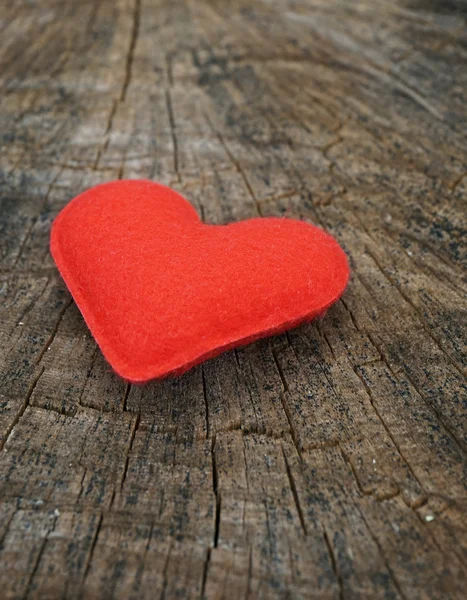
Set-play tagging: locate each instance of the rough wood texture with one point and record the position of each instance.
(327, 463)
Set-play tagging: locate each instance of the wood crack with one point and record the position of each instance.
(130, 447)
(332, 557)
(39, 557)
(23, 408)
(217, 495)
(91, 553)
(380, 550)
(386, 428)
(173, 133)
(416, 310)
(131, 49)
(294, 491)
(51, 338)
(236, 164)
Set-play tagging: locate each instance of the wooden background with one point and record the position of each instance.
(326, 463)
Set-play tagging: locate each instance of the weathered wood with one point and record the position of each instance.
(325, 463)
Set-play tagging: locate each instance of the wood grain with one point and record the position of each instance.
(325, 463)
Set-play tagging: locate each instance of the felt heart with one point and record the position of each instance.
(161, 291)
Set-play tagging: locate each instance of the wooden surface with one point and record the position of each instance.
(326, 463)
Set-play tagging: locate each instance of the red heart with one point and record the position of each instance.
(161, 291)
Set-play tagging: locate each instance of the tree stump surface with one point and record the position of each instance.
(325, 463)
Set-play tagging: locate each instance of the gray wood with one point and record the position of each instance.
(325, 463)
